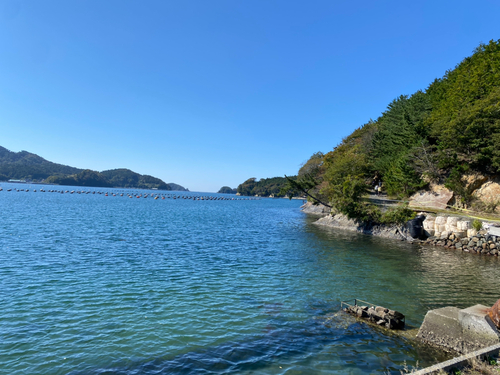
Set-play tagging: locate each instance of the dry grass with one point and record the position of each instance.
(478, 367)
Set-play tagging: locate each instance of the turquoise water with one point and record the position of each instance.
(111, 285)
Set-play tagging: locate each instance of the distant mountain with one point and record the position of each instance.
(27, 166)
(177, 187)
(127, 178)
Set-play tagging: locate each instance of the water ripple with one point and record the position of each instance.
(101, 285)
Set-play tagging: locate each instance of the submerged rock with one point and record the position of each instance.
(379, 315)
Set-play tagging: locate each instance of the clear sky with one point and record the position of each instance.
(206, 93)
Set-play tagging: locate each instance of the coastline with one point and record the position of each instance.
(445, 231)
(339, 221)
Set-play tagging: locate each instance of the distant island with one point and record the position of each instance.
(30, 167)
(266, 187)
(226, 190)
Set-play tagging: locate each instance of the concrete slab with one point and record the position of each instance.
(494, 231)
(477, 328)
(463, 331)
(441, 327)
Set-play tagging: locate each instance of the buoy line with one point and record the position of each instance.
(128, 194)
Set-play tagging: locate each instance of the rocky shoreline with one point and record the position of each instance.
(481, 243)
(386, 231)
(450, 232)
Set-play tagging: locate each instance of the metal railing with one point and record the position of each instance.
(346, 303)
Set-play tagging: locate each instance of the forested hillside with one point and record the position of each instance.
(129, 179)
(264, 187)
(440, 135)
(27, 166)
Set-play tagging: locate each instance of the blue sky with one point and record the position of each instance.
(211, 92)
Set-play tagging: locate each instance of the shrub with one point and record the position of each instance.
(398, 215)
(477, 225)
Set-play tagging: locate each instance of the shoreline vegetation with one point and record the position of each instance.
(33, 168)
(437, 150)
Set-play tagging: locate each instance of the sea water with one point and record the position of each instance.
(95, 284)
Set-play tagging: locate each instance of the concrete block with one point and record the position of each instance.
(494, 231)
(451, 228)
(460, 330)
(440, 220)
(428, 224)
(441, 327)
(464, 225)
(477, 327)
(440, 228)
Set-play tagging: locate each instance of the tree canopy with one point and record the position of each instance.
(438, 134)
(264, 187)
(227, 190)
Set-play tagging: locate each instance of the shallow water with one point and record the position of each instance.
(111, 285)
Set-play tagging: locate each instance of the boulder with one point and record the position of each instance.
(489, 193)
(415, 227)
(429, 232)
(444, 235)
(319, 209)
(471, 232)
(437, 199)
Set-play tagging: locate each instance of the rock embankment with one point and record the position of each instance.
(480, 243)
(450, 232)
(457, 233)
(318, 209)
(386, 231)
